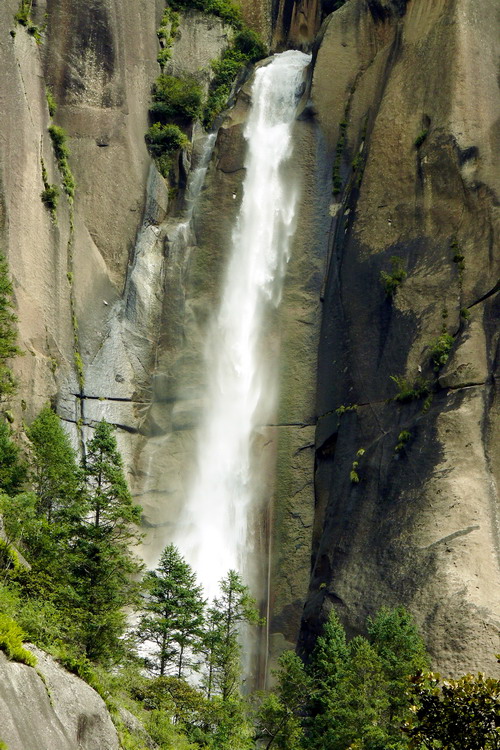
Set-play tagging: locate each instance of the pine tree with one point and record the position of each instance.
(395, 638)
(279, 717)
(56, 477)
(13, 470)
(173, 616)
(233, 607)
(106, 567)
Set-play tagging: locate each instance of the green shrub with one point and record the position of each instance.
(23, 14)
(391, 281)
(58, 137)
(249, 45)
(11, 641)
(345, 408)
(408, 391)
(224, 9)
(8, 556)
(339, 152)
(403, 438)
(61, 151)
(246, 48)
(163, 142)
(51, 102)
(465, 313)
(440, 350)
(176, 98)
(34, 31)
(50, 197)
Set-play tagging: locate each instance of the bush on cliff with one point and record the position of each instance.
(176, 98)
(11, 641)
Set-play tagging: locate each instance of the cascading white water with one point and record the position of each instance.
(241, 391)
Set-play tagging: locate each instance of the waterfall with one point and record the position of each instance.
(241, 388)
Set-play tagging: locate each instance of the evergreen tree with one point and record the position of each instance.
(13, 470)
(56, 477)
(395, 638)
(173, 615)
(279, 717)
(233, 607)
(358, 699)
(106, 567)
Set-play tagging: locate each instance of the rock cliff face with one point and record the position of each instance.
(419, 97)
(402, 109)
(47, 708)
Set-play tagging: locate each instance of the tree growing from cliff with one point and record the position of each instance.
(173, 615)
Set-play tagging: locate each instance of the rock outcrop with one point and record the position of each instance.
(47, 708)
(418, 97)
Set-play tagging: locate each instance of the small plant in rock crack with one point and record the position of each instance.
(353, 475)
(440, 350)
(408, 391)
(391, 281)
(421, 137)
(403, 438)
(345, 408)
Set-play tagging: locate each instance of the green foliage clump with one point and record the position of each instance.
(13, 469)
(344, 408)
(228, 11)
(464, 313)
(163, 142)
(408, 391)
(350, 694)
(58, 137)
(50, 197)
(11, 641)
(454, 714)
(391, 281)
(51, 102)
(166, 35)
(421, 137)
(23, 18)
(246, 48)
(339, 152)
(458, 256)
(353, 474)
(77, 357)
(9, 559)
(176, 98)
(440, 350)
(403, 438)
